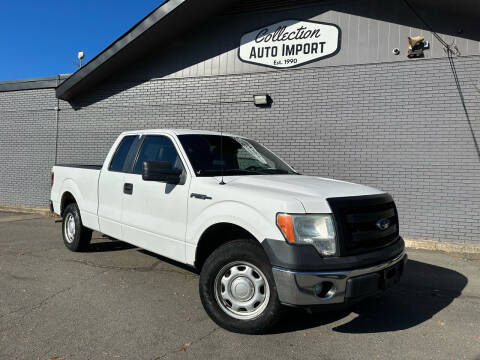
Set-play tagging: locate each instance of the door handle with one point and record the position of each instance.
(200, 196)
(128, 188)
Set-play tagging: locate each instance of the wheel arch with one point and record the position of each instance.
(216, 235)
(67, 199)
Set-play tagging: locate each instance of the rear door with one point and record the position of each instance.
(111, 186)
(155, 213)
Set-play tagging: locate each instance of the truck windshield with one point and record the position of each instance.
(240, 156)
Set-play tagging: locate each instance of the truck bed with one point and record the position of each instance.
(81, 181)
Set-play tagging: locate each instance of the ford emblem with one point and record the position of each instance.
(383, 224)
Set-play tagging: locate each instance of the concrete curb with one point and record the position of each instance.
(23, 209)
(442, 246)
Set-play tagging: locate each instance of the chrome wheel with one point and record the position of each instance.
(69, 228)
(241, 290)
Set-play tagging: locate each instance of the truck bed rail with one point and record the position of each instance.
(92, 167)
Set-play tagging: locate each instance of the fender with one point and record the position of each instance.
(69, 185)
(248, 218)
(87, 211)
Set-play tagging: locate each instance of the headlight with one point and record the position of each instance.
(317, 230)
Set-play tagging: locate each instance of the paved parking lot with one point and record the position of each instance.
(119, 302)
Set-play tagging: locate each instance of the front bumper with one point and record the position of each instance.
(334, 287)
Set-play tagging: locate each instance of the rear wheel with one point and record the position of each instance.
(76, 237)
(237, 288)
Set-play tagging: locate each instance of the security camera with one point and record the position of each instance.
(396, 51)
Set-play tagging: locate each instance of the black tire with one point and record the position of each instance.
(80, 238)
(239, 251)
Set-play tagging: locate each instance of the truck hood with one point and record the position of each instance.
(311, 191)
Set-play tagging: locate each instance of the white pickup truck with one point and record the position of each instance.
(261, 235)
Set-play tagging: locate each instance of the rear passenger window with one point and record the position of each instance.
(120, 156)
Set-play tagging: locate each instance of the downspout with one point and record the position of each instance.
(57, 116)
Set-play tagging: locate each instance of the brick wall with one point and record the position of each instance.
(396, 126)
(27, 146)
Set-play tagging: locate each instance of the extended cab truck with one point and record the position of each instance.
(261, 235)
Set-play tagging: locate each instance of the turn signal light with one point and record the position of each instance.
(285, 224)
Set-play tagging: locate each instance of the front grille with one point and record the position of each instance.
(356, 222)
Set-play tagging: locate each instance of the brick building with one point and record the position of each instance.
(353, 107)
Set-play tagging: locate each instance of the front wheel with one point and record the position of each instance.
(237, 288)
(76, 237)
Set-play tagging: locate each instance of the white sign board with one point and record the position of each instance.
(290, 43)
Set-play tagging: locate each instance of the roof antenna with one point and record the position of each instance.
(221, 139)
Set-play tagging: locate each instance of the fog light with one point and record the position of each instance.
(325, 290)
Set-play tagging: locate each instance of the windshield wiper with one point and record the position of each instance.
(257, 171)
(227, 172)
(265, 170)
(277, 171)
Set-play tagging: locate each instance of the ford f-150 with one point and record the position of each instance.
(261, 235)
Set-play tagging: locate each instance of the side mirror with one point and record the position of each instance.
(160, 171)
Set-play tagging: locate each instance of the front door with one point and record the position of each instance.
(154, 213)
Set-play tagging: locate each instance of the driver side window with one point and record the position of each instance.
(158, 148)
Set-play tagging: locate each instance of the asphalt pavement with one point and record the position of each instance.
(119, 302)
